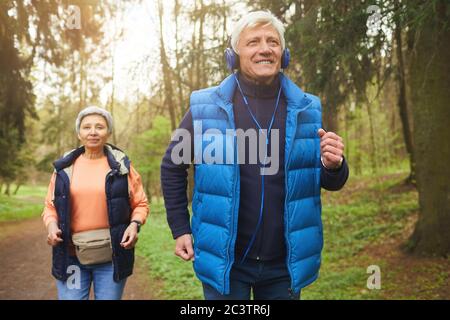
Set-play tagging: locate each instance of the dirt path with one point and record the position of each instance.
(25, 265)
(409, 276)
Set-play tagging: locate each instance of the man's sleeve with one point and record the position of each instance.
(174, 184)
(334, 179)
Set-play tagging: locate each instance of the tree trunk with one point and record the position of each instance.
(113, 89)
(178, 57)
(346, 135)
(201, 53)
(374, 153)
(168, 91)
(82, 85)
(147, 187)
(7, 189)
(357, 162)
(17, 189)
(402, 102)
(200, 69)
(329, 116)
(430, 83)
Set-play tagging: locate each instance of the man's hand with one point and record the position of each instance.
(183, 247)
(331, 149)
(54, 234)
(130, 236)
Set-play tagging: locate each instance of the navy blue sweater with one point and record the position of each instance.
(269, 242)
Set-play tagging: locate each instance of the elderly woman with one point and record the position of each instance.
(94, 208)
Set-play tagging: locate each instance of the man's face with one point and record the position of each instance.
(260, 51)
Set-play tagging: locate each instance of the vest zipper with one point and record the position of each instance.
(286, 219)
(68, 227)
(227, 271)
(233, 214)
(108, 205)
(286, 175)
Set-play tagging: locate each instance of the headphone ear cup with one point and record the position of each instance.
(285, 59)
(230, 59)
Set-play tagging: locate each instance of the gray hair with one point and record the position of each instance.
(94, 110)
(255, 18)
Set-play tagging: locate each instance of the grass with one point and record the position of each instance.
(27, 203)
(366, 212)
(156, 246)
(359, 223)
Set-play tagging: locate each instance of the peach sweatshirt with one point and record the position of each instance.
(88, 197)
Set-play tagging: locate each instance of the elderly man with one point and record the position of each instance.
(253, 230)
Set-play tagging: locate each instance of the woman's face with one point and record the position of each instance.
(93, 131)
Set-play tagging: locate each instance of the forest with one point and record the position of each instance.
(381, 69)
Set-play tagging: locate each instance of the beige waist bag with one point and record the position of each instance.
(93, 246)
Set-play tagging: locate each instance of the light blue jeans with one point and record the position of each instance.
(78, 285)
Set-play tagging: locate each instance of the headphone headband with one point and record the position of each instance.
(232, 59)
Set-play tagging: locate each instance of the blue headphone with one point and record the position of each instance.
(232, 59)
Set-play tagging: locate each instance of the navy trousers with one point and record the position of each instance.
(267, 280)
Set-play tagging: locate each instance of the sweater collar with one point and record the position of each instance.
(223, 94)
(260, 91)
(117, 159)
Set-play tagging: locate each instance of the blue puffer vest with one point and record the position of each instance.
(215, 202)
(119, 210)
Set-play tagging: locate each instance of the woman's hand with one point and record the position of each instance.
(130, 236)
(54, 234)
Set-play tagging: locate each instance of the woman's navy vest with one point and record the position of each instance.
(119, 211)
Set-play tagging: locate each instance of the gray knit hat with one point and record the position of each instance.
(94, 110)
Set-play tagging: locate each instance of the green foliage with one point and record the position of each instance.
(372, 213)
(27, 203)
(147, 150)
(156, 245)
(17, 51)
